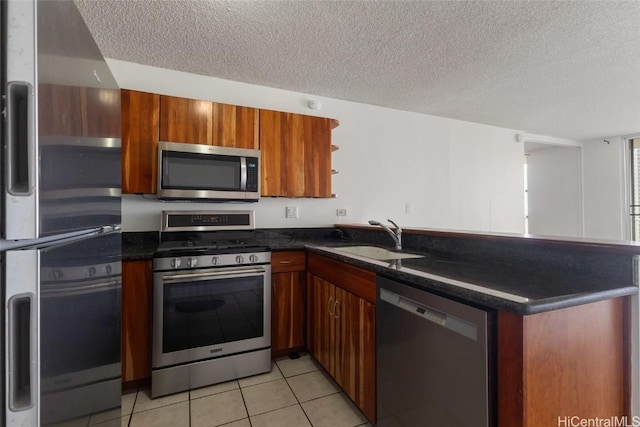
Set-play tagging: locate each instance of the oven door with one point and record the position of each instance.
(208, 313)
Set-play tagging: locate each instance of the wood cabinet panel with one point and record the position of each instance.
(341, 336)
(316, 133)
(356, 280)
(288, 302)
(235, 126)
(568, 362)
(78, 111)
(186, 120)
(137, 308)
(288, 261)
(356, 319)
(322, 332)
(296, 155)
(65, 101)
(282, 151)
(140, 112)
(287, 311)
(101, 112)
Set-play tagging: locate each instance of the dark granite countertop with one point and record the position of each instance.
(492, 285)
(530, 280)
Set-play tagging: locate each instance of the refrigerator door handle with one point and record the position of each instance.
(20, 373)
(21, 142)
(21, 323)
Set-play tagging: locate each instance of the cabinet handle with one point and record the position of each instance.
(335, 310)
(329, 305)
(286, 262)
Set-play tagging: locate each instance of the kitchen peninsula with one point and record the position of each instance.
(561, 308)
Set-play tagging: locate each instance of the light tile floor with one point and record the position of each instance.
(296, 393)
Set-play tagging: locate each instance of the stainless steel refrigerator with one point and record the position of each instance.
(60, 225)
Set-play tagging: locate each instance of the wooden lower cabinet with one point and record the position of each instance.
(341, 333)
(137, 309)
(565, 363)
(288, 302)
(287, 312)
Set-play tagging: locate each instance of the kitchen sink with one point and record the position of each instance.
(375, 252)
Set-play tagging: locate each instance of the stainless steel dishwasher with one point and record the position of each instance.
(433, 357)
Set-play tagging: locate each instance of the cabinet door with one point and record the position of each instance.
(282, 154)
(65, 102)
(235, 126)
(316, 134)
(186, 120)
(296, 155)
(101, 112)
(287, 311)
(137, 285)
(139, 141)
(356, 375)
(322, 330)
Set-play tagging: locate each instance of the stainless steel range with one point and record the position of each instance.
(211, 301)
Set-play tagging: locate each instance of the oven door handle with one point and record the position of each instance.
(214, 274)
(77, 290)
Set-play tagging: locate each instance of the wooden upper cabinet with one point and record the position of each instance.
(139, 141)
(295, 149)
(65, 102)
(78, 111)
(296, 154)
(210, 123)
(235, 126)
(186, 120)
(101, 112)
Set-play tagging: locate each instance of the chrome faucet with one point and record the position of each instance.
(397, 235)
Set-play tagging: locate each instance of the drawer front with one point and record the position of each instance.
(288, 261)
(353, 279)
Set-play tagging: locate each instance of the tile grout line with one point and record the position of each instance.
(189, 399)
(244, 402)
(298, 400)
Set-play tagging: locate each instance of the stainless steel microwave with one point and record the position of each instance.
(206, 172)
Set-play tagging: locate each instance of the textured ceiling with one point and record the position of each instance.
(564, 69)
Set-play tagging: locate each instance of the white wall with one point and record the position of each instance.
(604, 189)
(453, 174)
(554, 191)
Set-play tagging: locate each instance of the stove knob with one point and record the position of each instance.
(175, 263)
(108, 269)
(191, 262)
(239, 259)
(91, 271)
(253, 258)
(215, 260)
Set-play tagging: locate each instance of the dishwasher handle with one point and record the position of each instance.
(433, 315)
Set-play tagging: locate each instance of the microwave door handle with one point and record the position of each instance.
(243, 173)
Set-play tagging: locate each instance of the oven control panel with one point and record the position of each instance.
(204, 261)
(207, 220)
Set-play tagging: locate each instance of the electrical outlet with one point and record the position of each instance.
(291, 212)
(408, 207)
(341, 212)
